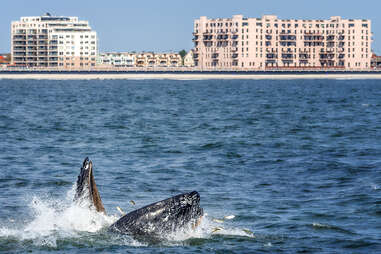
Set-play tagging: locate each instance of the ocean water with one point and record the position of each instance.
(282, 166)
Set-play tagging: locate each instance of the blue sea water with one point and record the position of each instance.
(295, 164)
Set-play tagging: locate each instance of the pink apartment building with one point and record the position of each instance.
(271, 43)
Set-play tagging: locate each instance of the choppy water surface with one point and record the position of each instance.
(297, 162)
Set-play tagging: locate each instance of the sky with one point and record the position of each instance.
(167, 25)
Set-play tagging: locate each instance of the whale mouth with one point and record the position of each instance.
(86, 187)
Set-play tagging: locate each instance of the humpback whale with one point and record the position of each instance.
(153, 221)
(87, 190)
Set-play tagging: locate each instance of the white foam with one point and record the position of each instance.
(206, 230)
(54, 219)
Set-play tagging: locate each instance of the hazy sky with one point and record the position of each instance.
(165, 25)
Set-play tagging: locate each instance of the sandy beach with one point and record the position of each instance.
(179, 76)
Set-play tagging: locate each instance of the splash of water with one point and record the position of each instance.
(59, 219)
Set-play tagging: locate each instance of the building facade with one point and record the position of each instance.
(123, 59)
(376, 61)
(150, 59)
(52, 41)
(272, 43)
(5, 59)
(188, 59)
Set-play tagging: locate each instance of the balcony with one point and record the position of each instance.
(271, 56)
(287, 37)
(19, 48)
(20, 54)
(19, 43)
(20, 59)
(53, 53)
(287, 56)
(208, 37)
(287, 62)
(19, 37)
(313, 44)
(287, 43)
(304, 56)
(313, 38)
(326, 56)
(20, 31)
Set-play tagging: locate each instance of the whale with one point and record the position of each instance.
(86, 188)
(154, 221)
(179, 213)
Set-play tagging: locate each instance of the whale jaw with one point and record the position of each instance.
(159, 219)
(87, 190)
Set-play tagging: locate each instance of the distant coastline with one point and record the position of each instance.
(186, 74)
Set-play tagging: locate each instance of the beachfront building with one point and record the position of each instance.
(188, 59)
(273, 43)
(4, 60)
(53, 41)
(112, 59)
(375, 61)
(151, 59)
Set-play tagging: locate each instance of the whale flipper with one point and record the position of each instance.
(87, 190)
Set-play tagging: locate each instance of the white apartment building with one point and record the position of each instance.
(53, 41)
(273, 43)
(188, 59)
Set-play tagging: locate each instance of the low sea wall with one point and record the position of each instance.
(186, 74)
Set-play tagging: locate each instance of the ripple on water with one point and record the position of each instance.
(296, 161)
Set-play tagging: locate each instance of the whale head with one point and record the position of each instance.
(160, 219)
(87, 191)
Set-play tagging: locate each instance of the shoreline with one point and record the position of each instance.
(185, 76)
